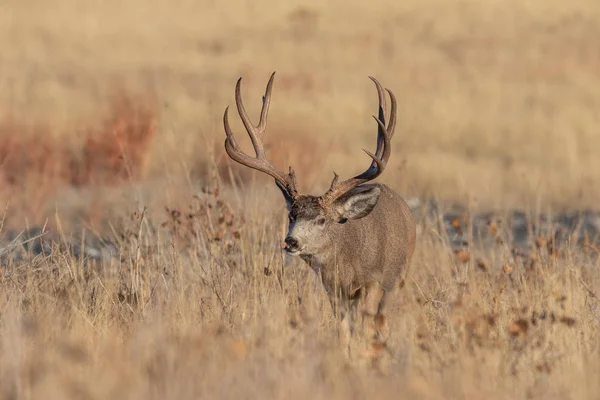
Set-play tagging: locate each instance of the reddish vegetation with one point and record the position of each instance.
(115, 150)
(35, 163)
(119, 149)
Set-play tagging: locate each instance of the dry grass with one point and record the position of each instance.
(36, 164)
(498, 107)
(497, 100)
(201, 305)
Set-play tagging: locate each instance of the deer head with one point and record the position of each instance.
(316, 221)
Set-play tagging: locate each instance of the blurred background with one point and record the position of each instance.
(137, 261)
(497, 100)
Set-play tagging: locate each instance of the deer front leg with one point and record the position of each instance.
(381, 321)
(345, 333)
(344, 311)
(375, 327)
(371, 317)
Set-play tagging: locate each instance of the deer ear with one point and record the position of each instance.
(357, 205)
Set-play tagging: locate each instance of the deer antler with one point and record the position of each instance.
(286, 182)
(382, 153)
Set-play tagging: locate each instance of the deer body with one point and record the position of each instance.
(358, 236)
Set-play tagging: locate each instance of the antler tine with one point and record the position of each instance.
(287, 182)
(255, 132)
(382, 112)
(392, 124)
(266, 99)
(382, 153)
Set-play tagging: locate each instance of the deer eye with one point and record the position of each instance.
(320, 220)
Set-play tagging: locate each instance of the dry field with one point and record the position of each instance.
(110, 126)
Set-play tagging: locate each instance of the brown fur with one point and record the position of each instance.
(377, 247)
(305, 207)
(360, 260)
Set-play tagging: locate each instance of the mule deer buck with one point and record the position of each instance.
(358, 236)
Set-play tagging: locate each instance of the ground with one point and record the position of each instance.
(111, 136)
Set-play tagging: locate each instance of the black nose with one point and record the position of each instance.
(291, 242)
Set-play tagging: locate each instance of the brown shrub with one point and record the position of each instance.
(210, 218)
(35, 162)
(115, 150)
(29, 153)
(119, 149)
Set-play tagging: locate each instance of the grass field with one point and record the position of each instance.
(111, 111)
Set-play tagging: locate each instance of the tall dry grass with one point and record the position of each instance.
(497, 108)
(203, 304)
